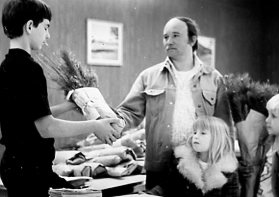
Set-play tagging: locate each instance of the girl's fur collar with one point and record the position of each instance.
(209, 179)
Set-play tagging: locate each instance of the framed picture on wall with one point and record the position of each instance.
(206, 50)
(104, 43)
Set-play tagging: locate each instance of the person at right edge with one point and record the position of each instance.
(249, 113)
(272, 125)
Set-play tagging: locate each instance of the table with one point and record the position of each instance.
(137, 195)
(117, 186)
(108, 186)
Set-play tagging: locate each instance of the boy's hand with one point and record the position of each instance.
(105, 132)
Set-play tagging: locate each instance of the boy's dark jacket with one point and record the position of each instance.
(187, 179)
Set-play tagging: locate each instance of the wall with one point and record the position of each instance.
(237, 30)
(271, 41)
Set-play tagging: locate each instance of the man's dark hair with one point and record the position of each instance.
(16, 13)
(193, 29)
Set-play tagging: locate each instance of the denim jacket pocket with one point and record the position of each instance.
(209, 96)
(154, 101)
(154, 92)
(209, 100)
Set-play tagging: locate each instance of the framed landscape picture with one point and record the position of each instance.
(104, 43)
(206, 50)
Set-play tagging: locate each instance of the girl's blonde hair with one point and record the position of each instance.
(273, 104)
(221, 141)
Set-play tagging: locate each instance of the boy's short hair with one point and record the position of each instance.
(273, 104)
(16, 13)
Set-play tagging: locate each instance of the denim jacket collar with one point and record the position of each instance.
(202, 68)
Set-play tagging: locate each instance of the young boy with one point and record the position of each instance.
(27, 123)
(272, 125)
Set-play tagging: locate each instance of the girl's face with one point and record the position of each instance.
(201, 140)
(272, 123)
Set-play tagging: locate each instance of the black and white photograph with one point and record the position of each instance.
(139, 98)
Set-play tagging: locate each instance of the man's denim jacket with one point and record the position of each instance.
(153, 95)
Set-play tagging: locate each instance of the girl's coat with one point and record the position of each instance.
(220, 179)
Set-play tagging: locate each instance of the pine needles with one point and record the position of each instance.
(244, 85)
(64, 69)
(245, 94)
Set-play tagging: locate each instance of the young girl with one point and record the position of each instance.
(206, 165)
(272, 125)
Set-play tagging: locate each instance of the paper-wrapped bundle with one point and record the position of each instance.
(95, 170)
(101, 156)
(61, 156)
(108, 160)
(93, 105)
(73, 192)
(134, 139)
(254, 143)
(90, 140)
(124, 169)
(78, 81)
(124, 153)
(88, 169)
(248, 106)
